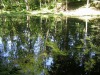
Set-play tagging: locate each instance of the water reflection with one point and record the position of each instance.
(33, 45)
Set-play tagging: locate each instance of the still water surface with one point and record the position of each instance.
(37, 45)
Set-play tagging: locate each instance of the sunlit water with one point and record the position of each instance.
(31, 45)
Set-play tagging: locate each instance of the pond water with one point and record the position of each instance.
(37, 45)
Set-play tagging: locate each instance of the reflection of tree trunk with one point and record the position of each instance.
(55, 27)
(28, 33)
(46, 20)
(47, 34)
(86, 28)
(66, 20)
(85, 36)
(28, 19)
(61, 25)
(41, 23)
(3, 20)
(47, 31)
(55, 31)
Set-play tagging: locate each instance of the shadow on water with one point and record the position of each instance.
(34, 45)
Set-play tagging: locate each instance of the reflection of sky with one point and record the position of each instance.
(49, 61)
(9, 46)
(37, 46)
(52, 39)
(8, 49)
(0, 40)
(1, 45)
(15, 38)
(92, 54)
(71, 41)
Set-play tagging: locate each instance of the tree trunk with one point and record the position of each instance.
(40, 4)
(45, 3)
(87, 3)
(66, 5)
(2, 3)
(27, 5)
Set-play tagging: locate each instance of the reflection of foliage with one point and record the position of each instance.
(55, 50)
(89, 64)
(8, 70)
(62, 38)
(26, 62)
(83, 53)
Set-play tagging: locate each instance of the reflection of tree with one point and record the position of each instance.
(81, 53)
(31, 41)
(19, 36)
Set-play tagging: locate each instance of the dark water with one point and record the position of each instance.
(36, 45)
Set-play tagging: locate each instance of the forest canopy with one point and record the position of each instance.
(21, 5)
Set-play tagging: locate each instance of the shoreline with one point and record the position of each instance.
(77, 12)
(71, 13)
